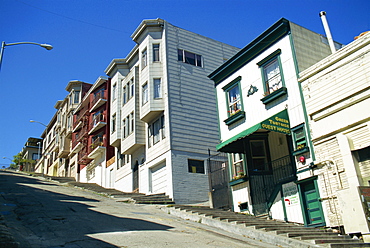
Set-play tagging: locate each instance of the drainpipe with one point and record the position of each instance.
(327, 31)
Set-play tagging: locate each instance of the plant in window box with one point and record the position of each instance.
(234, 112)
(302, 148)
(239, 175)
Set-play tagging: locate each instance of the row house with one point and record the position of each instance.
(336, 92)
(31, 153)
(163, 112)
(48, 162)
(58, 133)
(263, 126)
(90, 151)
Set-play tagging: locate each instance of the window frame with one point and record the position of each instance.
(156, 52)
(184, 56)
(240, 113)
(145, 93)
(194, 168)
(273, 57)
(240, 173)
(114, 122)
(157, 93)
(144, 58)
(114, 91)
(297, 142)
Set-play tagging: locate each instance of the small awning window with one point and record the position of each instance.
(276, 123)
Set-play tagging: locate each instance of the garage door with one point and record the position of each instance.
(158, 178)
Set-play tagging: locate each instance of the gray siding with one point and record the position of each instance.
(309, 46)
(193, 115)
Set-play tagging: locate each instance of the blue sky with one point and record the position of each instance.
(88, 34)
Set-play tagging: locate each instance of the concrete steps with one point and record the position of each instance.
(153, 199)
(313, 237)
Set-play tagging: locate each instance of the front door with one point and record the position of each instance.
(312, 209)
(135, 180)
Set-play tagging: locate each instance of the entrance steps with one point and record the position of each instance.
(131, 197)
(275, 232)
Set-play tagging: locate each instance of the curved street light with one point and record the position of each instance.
(39, 123)
(3, 45)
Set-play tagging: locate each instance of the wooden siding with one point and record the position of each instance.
(329, 181)
(359, 137)
(193, 116)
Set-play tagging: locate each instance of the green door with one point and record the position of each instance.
(312, 209)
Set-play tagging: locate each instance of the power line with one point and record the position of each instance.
(73, 19)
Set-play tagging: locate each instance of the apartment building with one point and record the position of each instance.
(58, 133)
(48, 161)
(90, 151)
(163, 112)
(263, 126)
(31, 154)
(336, 91)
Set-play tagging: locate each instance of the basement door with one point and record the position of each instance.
(312, 209)
(158, 179)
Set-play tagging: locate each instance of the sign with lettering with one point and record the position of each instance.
(277, 123)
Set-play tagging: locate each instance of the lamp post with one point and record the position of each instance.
(8, 158)
(3, 45)
(39, 123)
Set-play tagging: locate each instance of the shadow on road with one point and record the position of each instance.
(41, 218)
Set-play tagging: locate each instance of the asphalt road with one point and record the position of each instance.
(41, 213)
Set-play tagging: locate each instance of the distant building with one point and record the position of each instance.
(163, 112)
(263, 126)
(336, 91)
(55, 160)
(31, 154)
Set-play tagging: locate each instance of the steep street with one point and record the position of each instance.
(40, 213)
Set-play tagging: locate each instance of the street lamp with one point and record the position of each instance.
(3, 45)
(39, 123)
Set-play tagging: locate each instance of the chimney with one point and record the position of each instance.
(327, 31)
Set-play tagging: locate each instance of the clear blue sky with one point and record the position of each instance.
(88, 34)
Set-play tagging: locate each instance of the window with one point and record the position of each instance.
(145, 93)
(113, 123)
(98, 117)
(144, 59)
(155, 52)
(196, 166)
(124, 95)
(35, 156)
(132, 122)
(157, 88)
(76, 98)
(124, 130)
(271, 72)
(259, 155)
(131, 88)
(189, 58)
(163, 127)
(96, 141)
(299, 140)
(234, 101)
(237, 166)
(156, 131)
(363, 154)
(156, 128)
(114, 92)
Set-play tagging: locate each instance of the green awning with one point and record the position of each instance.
(276, 123)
